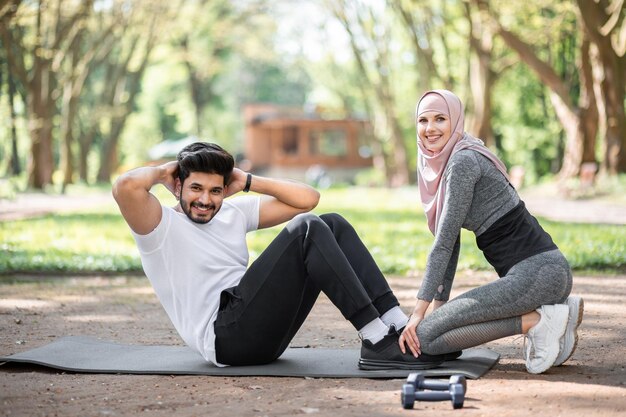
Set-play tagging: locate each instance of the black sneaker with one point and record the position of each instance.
(453, 355)
(386, 354)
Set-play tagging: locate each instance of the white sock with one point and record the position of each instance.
(374, 331)
(395, 317)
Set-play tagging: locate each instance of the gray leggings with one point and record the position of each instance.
(494, 310)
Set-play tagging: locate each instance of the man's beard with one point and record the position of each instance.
(200, 220)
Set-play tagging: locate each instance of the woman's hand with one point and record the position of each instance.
(409, 336)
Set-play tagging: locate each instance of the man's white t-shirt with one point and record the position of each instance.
(189, 264)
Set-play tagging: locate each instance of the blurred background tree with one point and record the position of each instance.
(87, 86)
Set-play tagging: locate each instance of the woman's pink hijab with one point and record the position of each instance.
(431, 167)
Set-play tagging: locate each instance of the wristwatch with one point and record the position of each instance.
(248, 182)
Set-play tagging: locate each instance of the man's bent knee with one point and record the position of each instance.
(304, 218)
(334, 219)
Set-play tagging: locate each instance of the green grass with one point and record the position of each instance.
(390, 222)
(68, 243)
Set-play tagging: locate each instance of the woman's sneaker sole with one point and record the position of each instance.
(570, 338)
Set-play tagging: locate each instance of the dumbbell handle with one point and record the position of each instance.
(432, 396)
(421, 383)
(436, 385)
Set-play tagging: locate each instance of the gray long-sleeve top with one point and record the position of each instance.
(477, 195)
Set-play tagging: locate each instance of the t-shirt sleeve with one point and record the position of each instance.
(461, 177)
(249, 207)
(153, 240)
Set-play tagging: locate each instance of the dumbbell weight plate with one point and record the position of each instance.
(457, 392)
(407, 396)
(459, 379)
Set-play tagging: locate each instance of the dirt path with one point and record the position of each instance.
(124, 309)
(27, 205)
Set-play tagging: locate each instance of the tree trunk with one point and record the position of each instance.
(40, 112)
(481, 85)
(580, 123)
(195, 86)
(601, 28)
(108, 157)
(68, 115)
(588, 104)
(127, 84)
(572, 124)
(72, 88)
(401, 167)
(85, 142)
(572, 117)
(379, 157)
(14, 164)
(481, 76)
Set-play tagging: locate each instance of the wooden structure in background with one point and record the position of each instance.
(287, 142)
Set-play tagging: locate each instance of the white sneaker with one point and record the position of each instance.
(569, 341)
(544, 337)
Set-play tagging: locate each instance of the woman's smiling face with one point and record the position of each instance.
(434, 130)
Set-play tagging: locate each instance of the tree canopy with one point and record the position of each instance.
(86, 87)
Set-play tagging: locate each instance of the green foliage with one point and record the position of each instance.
(528, 130)
(230, 53)
(8, 188)
(275, 84)
(390, 222)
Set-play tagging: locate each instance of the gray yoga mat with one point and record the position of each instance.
(90, 355)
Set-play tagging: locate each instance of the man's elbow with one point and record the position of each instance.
(314, 199)
(121, 187)
(115, 190)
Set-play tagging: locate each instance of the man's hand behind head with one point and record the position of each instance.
(170, 175)
(237, 182)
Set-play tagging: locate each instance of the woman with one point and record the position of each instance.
(463, 184)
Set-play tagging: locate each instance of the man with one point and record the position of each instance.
(196, 258)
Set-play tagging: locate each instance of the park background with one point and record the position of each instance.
(88, 87)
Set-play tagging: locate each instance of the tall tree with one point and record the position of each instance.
(578, 115)
(203, 47)
(123, 81)
(35, 52)
(8, 9)
(87, 50)
(369, 34)
(604, 22)
(482, 77)
(417, 18)
(429, 24)
(14, 166)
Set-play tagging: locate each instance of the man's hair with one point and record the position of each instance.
(204, 157)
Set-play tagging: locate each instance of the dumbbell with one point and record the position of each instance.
(420, 383)
(456, 395)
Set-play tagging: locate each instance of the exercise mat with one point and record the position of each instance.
(90, 355)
